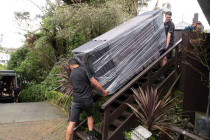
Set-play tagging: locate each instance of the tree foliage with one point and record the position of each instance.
(71, 26)
(64, 27)
(43, 90)
(31, 65)
(17, 58)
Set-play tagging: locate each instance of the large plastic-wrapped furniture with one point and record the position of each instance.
(121, 53)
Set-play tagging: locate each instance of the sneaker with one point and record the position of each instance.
(90, 137)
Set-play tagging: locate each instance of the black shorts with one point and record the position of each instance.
(170, 54)
(16, 96)
(77, 108)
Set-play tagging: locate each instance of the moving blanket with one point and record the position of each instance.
(119, 54)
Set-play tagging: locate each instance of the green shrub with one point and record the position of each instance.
(2, 67)
(42, 91)
(32, 65)
(50, 83)
(128, 134)
(53, 96)
(34, 93)
(17, 57)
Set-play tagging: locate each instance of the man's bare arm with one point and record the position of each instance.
(98, 86)
(168, 40)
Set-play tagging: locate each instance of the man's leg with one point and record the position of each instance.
(89, 111)
(15, 99)
(90, 127)
(70, 130)
(164, 61)
(90, 123)
(75, 111)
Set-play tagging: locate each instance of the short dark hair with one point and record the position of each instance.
(73, 61)
(169, 13)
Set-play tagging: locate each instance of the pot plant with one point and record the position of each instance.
(200, 52)
(127, 134)
(152, 109)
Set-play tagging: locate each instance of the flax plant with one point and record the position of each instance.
(151, 108)
(65, 85)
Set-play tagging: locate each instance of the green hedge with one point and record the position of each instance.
(2, 67)
(40, 92)
(33, 93)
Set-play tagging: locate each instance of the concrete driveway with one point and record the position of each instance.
(32, 121)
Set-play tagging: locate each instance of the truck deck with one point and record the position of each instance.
(8, 81)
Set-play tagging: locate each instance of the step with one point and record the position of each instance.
(112, 108)
(82, 135)
(142, 80)
(116, 122)
(155, 69)
(139, 83)
(96, 128)
(119, 102)
(125, 114)
(126, 95)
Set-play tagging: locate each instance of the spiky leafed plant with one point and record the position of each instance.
(151, 109)
(65, 85)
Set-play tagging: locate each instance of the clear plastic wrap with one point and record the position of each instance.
(121, 53)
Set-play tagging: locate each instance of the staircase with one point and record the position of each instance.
(118, 117)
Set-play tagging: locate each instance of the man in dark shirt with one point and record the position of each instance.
(169, 30)
(16, 94)
(81, 80)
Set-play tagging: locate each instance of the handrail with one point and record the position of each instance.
(185, 133)
(78, 126)
(128, 85)
(185, 125)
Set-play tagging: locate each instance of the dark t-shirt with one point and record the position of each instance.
(17, 91)
(169, 27)
(80, 78)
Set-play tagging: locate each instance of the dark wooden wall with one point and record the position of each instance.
(177, 35)
(195, 93)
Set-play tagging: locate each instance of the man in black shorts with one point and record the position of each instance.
(81, 80)
(169, 30)
(16, 94)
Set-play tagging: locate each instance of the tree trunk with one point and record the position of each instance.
(67, 48)
(56, 50)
